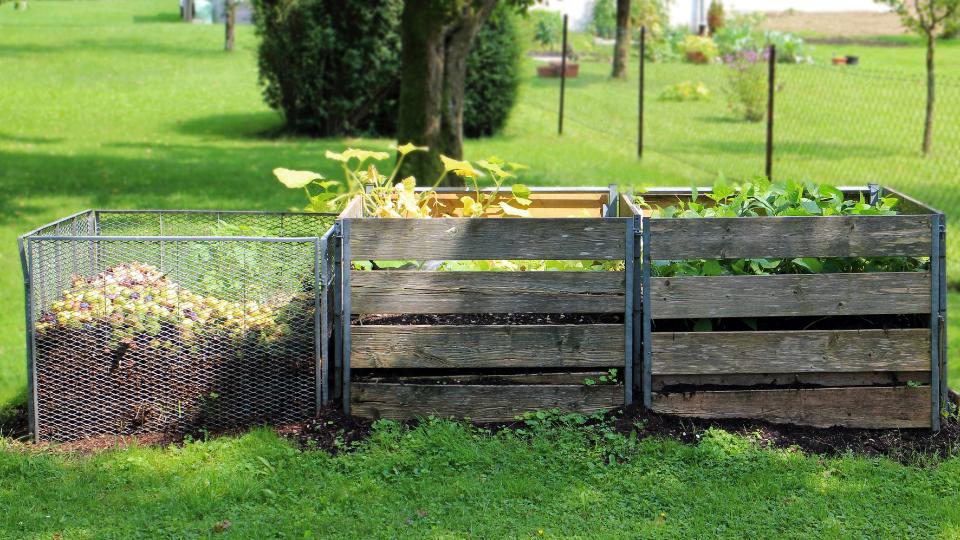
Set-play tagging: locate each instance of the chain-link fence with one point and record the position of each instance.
(174, 321)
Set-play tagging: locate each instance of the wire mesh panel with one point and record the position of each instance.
(134, 331)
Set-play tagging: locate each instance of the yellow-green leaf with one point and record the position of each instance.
(405, 149)
(409, 183)
(364, 155)
(453, 165)
(295, 179)
(514, 211)
(520, 191)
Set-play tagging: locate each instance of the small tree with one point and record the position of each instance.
(621, 49)
(926, 17)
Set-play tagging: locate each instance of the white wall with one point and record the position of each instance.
(579, 11)
(681, 11)
(684, 11)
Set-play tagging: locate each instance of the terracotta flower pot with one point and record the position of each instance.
(840, 61)
(553, 70)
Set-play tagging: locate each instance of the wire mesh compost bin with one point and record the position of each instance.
(172, 321)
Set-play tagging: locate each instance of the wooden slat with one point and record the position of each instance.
(790, 351)
(790, 295)
(553, 377)
(406, 291)
(506, 346)
(480, 403)
(790, 237)
(874, 378)
(469, 239)
(354, 208)
(545, 205)
(859, 407)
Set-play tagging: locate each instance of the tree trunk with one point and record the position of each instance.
(621, 49)
(188, 10)
(433, 76)
(230, 24)
(931, 95)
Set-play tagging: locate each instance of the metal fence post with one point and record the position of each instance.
(942, 316)
(647, 364)
(629, 260)
(642, 62)
(337, 313)
(771, 90)
(563, 75)
(346, 310)
(25, 260)
(873, 194)
(935, 322)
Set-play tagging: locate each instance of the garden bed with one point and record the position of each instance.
(488, 345)
(869, 349)
(172, 322)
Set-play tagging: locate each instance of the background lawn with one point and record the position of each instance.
(114, 104)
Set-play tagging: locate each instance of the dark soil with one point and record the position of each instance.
(492, 318)
(335, 433)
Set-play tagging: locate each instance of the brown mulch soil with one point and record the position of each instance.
(335, 433)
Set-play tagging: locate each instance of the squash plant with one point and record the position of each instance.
(384, 196)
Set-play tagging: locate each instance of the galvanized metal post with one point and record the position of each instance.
(771, 90)
(643, 63)
(563, 75)
(324, 337)
(611, 208)
(346, 310)
(25, 260)
(319, 322)
(942, 317)
(935, 345)
(337, 313)
(629, 260)
(873, 194)
(647, 364)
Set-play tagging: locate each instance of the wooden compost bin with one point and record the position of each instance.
(887, 377)
(488, 372)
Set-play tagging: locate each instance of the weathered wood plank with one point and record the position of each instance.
(506, 346)
(554, 377)
(354, 208)
(545, 204)
(790, 295)
(480, 403)
(859, 407)
(882, 378)
(792, 236)
(790, 351)
(469, 239)
(406, 291)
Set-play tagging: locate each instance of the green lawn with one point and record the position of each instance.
(112, 103)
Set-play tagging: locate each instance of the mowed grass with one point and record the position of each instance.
(445, 480)
(114, 104)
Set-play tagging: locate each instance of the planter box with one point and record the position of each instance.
(498, 369)
(172, 321)
(554, 69)
(846, 371)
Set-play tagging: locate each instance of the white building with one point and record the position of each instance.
(693, 12)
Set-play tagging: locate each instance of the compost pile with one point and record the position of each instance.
(130, 351)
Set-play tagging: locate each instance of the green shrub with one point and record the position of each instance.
(330, 66)
(747, 78)
(547, 28)
(686, 91)
(493, 75)
(605, 18)
(699, 49)
(790, 48)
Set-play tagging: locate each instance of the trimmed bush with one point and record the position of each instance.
(332, 67)
(493, 75)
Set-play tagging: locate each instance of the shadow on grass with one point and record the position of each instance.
(192, 48)
(28, 140)
(247, 126)
(162, 17)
